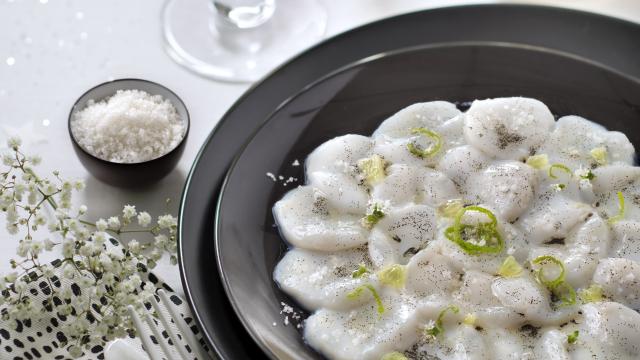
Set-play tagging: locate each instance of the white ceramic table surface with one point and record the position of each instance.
(51, 51)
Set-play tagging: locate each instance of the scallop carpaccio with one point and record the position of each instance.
(495, 233)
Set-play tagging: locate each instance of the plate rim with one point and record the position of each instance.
(181, 243)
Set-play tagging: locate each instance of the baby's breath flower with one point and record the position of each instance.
(14, 142)
(34, 160)
(7, 160)
(88, 258)
(144, 219)
(68, 247)
(134, 246)
(78, 185)
(102, 225)
(129, 211)
(166, 221)
(114, 223)
(11, 277)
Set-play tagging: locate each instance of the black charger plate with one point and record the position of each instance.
(612, 42)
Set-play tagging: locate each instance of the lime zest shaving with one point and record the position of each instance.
(560, 167)
(358, 291)
(540, 161)
(510, 268)
(431, 150)
(470, 319)
(591, 294)
(565, 293)
(560, 289)
(540, 273)
(489, 240)
(620, 214)
(438, 328)
(450, 208)
(393, 275)
(573, 337)
(373, 169)
(360, 271)
(372, 218)
(394, 356)
(599, 154)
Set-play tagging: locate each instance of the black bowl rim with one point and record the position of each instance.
(128, 165)
(372, 58)
(216, 348)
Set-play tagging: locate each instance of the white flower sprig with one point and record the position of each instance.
(91, 284)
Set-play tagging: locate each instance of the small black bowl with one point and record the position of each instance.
(129, 174)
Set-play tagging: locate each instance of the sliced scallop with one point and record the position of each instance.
(339, 155)
(611, 178)
(429, 273)
(508, 187)
(552, 216)
(364, 333)
(320, 279)
(609, 331)
(343, 193)
(574, 137)
(305, 220)
(525, 296)
(430, 115)
(620, 280)
(552, 345)
(507, 128)
(504, 344)
(627, 240)
(399, 187)
(413, 227)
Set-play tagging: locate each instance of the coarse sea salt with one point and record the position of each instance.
(129, 127)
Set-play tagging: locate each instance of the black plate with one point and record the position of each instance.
(609, 41)
(356, 100)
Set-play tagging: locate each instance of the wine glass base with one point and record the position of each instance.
(196, 38)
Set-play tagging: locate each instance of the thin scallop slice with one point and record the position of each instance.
(476, 295)
(552, 345)
(399, 187)
(611, 178)
(319, 279)
(574, 137)
(413, 227)
(508, 187)
(430, 115)
(620, 280)
(406, 184)
(525, 296)
(461, 342)
(364, 333)
(395, 134)
(552, 216)
(305, 220)
(436, 188)
(383, 250)
(429, 273)
(585, 246)
(343, 193)
(507, 128)
(608, 331)
(627, 240)
(461, 163)
(504, 344)
(339, 155)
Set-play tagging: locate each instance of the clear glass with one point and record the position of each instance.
(239, 40)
